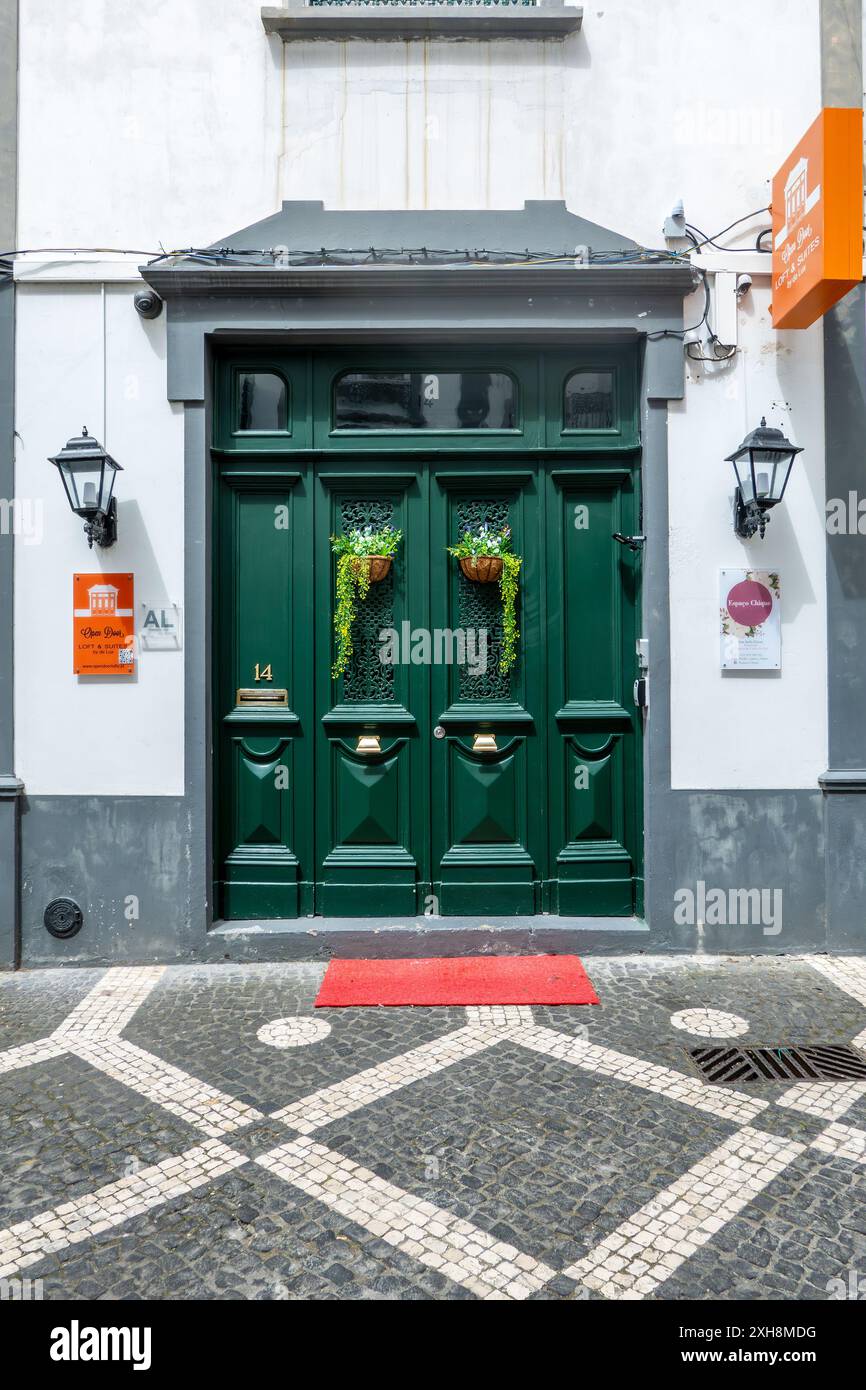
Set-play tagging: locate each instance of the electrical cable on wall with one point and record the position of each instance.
(425, 256)
(698, 240)
(712, 240)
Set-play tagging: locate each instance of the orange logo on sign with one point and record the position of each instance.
(103, 625)
(817, 219)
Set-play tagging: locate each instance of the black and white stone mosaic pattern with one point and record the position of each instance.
(156, 1142)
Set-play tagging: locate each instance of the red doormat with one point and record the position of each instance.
(453, 980)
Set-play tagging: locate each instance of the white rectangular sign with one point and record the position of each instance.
(161, 628)
(750, 620)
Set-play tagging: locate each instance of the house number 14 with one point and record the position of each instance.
(264, 675)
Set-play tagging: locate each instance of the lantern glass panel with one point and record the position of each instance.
(109, 473)
(761, 475)
(89, 484)
(84, 480)
(70, 485)
(781, 467)
(743, 470)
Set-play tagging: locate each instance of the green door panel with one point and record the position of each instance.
(261, 872)
(490, 792)
(366, 799)
(488, 835)
(591, 797)
(261, 756)
(485, 799)
(261, 808)
(372, 810)
(594, 743)
(487, 867)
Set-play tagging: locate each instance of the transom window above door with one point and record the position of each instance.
(425, 400)
(262, 403)
(590, 401)
(488, 398)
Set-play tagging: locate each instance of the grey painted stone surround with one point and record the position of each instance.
(10, 786)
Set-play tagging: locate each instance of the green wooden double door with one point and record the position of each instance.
(425, 779)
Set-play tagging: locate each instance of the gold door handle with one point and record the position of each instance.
(484, 743)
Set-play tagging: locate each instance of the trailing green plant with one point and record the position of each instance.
(353, 581)
(488, 541)
(508, 585)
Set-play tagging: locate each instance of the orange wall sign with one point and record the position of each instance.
(818, 219)
(103, 625)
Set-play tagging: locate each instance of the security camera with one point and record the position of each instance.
(148, 304)
(744, 284)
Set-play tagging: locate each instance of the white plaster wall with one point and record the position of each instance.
(647, 103)
(145, 124)
(177, 122)
(99, 734)
(748, 729)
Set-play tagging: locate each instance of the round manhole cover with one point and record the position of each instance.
(63, 918)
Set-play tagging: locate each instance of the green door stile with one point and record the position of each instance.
(371, 809)
(436, 821)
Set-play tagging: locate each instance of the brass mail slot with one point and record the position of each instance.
(263, 699)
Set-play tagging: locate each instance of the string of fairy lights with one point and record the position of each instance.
(283, 257)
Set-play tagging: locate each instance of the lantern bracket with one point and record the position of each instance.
(103, 528)
(749, 518)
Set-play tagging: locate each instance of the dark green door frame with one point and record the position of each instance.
(429, 823)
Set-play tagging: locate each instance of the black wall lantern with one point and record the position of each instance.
(88, 474)
(762, 465)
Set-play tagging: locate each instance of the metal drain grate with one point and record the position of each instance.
(723, 1065)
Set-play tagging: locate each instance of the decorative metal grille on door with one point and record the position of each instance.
(480, 605)
(367, 677)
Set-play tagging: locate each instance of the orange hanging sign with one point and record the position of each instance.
(818, 219)
(103, 625)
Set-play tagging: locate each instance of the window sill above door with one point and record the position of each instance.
(341, 19)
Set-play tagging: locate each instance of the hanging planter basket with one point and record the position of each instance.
(375, 567)
(485, 556)
(483, 569)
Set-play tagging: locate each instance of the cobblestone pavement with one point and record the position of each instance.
(202, 1132)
